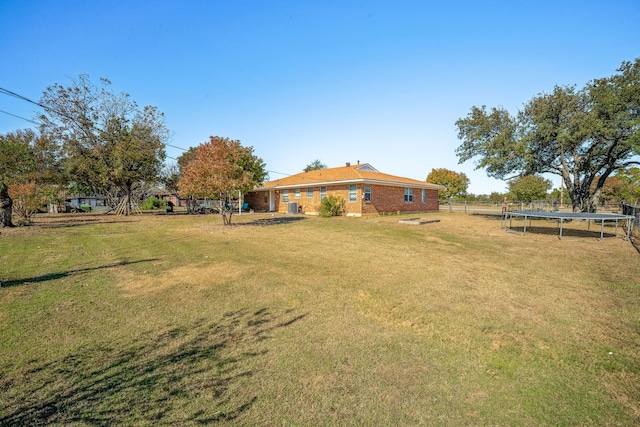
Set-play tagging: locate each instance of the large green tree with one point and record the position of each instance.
(455, 183)
(315, 166)
(529, 188)
(16, 159)
(624, 186)
(110, 144)
(630, 179)
(25, 157)
(222, 169)
(582, 135)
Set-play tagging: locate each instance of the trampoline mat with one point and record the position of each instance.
(571, 215)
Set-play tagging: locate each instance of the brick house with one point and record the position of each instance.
(364, 190)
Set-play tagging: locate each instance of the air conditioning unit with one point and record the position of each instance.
(292, 208)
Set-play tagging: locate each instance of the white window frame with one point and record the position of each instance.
(424, 195)
(353, 193)
(285, 196)
(296, 193)
(310, 192)
(408, 195)
(323, 193)
(367, 193)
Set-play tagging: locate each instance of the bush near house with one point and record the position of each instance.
(151, 203)
(332, 206)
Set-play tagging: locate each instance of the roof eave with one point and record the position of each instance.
(425, 185)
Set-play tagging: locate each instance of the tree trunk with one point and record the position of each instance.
(192, 203)
(127, 208)
(226, 213)
(6, 206)
(226, 209)
(583, 202)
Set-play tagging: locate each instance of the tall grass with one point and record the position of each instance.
(178, 320)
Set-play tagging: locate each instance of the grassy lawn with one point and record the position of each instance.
(291, 320)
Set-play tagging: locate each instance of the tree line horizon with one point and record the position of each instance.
(94, 141)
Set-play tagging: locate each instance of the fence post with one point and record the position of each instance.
(465, 206)
(450, 206)
(634, 211)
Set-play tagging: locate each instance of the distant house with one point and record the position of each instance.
(168, 196)
(364, 190)
(88, 201)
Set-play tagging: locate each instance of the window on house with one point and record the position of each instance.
(285, 196)
(323, 193)
(310, 192)
(424, 195)
(408, 194)
(296, 193)
(266, 197)
(353, 193)
(367, 192)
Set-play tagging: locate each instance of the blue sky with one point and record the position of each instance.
(382, 82)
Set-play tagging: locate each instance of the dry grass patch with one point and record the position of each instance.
(312, 321)
(134, 283)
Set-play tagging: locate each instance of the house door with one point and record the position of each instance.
(272, 201)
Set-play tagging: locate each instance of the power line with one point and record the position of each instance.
(174, 146)
(280, 173)
(24, 98)
(31, 121)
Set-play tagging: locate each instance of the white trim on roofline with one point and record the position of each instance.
(351, 181)
(367, 167)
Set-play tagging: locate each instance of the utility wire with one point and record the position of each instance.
(30, 121)
(281, 173)
(24, 98)
(174, 146)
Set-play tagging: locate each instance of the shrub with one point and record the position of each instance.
(28, 199)
(151, 203)
(332, 206)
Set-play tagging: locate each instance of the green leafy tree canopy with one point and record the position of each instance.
(26, 158)
(109, 143)
(626, 186)
(582, 135)
(455, 183)
(315, 166)
(17, 157)
(529, 188)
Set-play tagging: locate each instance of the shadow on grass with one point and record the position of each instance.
(193, 374)
(555, 231)
(276, 220)
(55, 276)
(69, 220)
(494, 216)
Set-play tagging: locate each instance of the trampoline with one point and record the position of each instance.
(562, 216)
